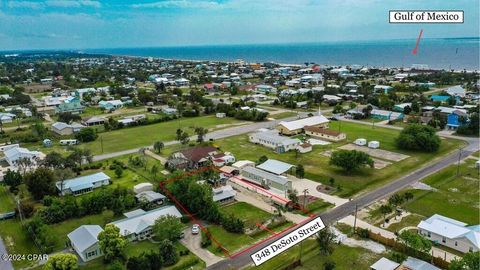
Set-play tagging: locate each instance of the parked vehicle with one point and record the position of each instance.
(195, 229)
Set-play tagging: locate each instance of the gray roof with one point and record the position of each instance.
(84, 236)
(275, 166)
(222, 193)
(138, 223)
(266, 175)
(275, 138)
(60, 125)
(82, 182)
(384, 264)
(150, 196)
(416, 264)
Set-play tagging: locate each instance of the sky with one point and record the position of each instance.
(84, 24)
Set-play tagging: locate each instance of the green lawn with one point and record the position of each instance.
(315, 207)
(317, 167)
(17, 241)
(63, 228)
(408, 221)
(344, 257)
(129, 138)
(456, 197)
(7, 202)
(283, 115)
(234, 242)
(246, 212)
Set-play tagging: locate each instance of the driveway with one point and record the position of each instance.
(4, 265)
(192, 242)
(301, 184)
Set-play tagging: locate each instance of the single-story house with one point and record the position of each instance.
(138, 224)
(131, 119)
(182, 82)
(297, 126)
(13, 154)
(93, 121)
(326, 134)
(454, 119)
(169, 111)
(409, 264)
(191, 158)
(223, 158)
(401, 107)
(7, 117)
(331, 98)
(275, 166)
(84, 240)
(110, 105)
(384, 264)
(224, 194)
(266, 180)
(442, 99)
(451, 233)
(82, 184)
(382, 89)
(74, 107)
(456, 91)
(264, 88)
(243, 163)
(151, 197)
(386, 115)
(142, 187)
(64, 129)
(273, 140)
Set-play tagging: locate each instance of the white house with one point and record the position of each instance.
(451, 233)
(138, 224)
(84, 240)
(297, 126)
(82, 184)
(13, 155)
(274, 141)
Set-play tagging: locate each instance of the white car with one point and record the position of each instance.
(195, 229)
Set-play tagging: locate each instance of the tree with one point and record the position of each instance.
(326, 241)
(158, 146)
(40, 182)
(118, 171)
(184, 138)
(154, 170)
(61, 261)
(24, 164)
(53, 160)
(300, 171)
(262, 159)
(329, 265)
(408, 196)
(350, 160)
(415, 241)
(86, 135)
(12, 179)
(470, 261)
(292, 195)
(168, 252)
(201, 132)
(407, 110)
(111, 242)
(418, 137)
(385, 209)
(178, 135)
(168, 227)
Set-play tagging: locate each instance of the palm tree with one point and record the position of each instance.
(385, 209)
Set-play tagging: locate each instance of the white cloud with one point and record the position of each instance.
(179, 4)
(54, 3)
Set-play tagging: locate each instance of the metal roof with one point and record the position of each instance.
(275, 166)
(266, 175)
(82, 182)
(84, 236)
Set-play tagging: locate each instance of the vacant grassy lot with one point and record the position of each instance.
(456, 196)
(344, 257)
(246, 212)
(315, 207)
(317, 167)
(410, 220)
(7, 203)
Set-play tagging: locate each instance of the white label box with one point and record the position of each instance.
(283, 244)
(426, 16)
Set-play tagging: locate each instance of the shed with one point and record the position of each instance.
(373, 144)
(47, 142)
(360, 142)
(384, 264)
(142, 187)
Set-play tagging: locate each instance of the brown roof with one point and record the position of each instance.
(322, 130)
(198, 152)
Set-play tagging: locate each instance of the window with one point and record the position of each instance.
(429, 235)
(470, 249)
(444, 240)
(456, 243)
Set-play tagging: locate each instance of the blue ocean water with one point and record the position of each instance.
(457, 53)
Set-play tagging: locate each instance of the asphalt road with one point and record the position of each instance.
(364, 200)
(4, 265)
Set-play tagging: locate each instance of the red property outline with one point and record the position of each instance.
(219, 245)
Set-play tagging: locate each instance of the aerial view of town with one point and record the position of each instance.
(239, 134)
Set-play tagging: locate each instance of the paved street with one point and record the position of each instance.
(4, 265)
(364, 200)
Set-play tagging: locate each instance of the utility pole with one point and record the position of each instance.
(355, 219)
(305, 192)
(458, 162)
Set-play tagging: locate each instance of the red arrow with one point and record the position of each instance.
(418, 42)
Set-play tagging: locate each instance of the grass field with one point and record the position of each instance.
(246, 212)
(17, 241)
(456, 196)
(317, 167)
(318, 206)
(410, 220)
(344, 257)
(7, 203)
(282, 115)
